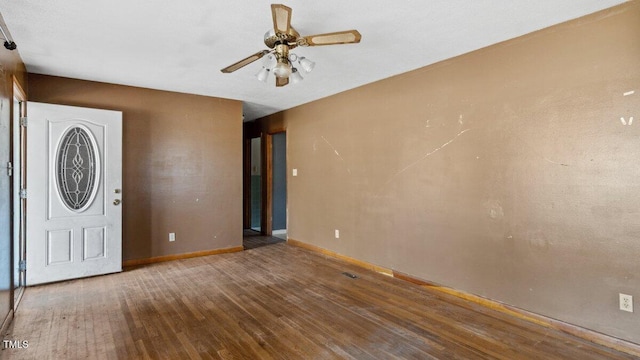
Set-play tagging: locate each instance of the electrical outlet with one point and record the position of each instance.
(626, 302)
(172, 236)
(337, 234)
(294, 172)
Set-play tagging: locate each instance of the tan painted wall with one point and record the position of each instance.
(182, 169)
(505, 173)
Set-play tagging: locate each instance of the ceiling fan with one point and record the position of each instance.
(283, 38)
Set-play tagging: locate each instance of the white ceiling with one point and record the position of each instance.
(182, 45)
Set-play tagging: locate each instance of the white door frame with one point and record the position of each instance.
(19, 182)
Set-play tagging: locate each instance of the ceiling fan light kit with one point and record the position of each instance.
(283, 69)
(263, 74)
(306, 64)
(283, 38)
(295, 76)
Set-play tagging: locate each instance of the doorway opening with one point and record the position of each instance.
(265, 185)
(256, 184)
(279, 185)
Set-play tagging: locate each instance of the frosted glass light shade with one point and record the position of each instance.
(282, 69)
(269, 61)
(263, 74)
(306, 64)
(295, 76)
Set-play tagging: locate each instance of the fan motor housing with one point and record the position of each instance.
(271, 38)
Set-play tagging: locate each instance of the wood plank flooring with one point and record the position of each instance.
(271, 302)
(252, 239)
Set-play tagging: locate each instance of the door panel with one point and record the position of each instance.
(74, 177)
(95, 243)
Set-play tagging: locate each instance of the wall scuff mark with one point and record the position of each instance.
(425, 156)
(553, 162)
(336, 152)
(494, 209)
(624, 122)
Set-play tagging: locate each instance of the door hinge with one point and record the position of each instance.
(9, 168)
(23, 121)
(22, 265)
(23, 193)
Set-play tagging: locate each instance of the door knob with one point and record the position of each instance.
(116, 202)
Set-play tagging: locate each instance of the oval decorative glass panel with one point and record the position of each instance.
(77, 168)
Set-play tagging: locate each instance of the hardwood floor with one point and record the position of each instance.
(252, 239)
(271, 302)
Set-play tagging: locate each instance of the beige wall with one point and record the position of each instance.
(505, 173)
(182, 164)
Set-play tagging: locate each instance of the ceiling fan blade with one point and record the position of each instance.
(281, 18)
(340, 37)
(281, 81)
(246, 61)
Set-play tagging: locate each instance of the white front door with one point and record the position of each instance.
(74, 182)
